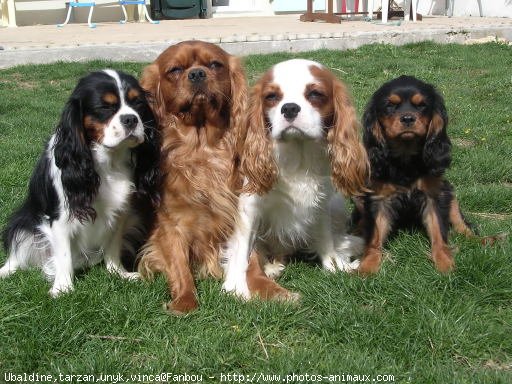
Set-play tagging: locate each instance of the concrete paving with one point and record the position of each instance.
(143, 42)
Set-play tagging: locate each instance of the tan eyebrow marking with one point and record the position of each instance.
(133, 94)
(417, 99)
(110, 98)
(394, 99)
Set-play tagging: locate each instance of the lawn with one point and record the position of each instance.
(408, 323)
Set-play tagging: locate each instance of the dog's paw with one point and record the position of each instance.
(181, 305)
(6, 271)
(370, 263)
(129, 275)
(60, 287)
(238, 288)
(336, 262)
(274, 269)
(287, 296)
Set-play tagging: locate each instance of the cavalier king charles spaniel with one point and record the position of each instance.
(98, 168)
(302, 146)
(409, 151)
(199, 95)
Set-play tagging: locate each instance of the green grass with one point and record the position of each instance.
(408, 321)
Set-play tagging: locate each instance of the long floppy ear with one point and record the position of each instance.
(349, 162)
(374, 141)
(258, 164)
(238, 105)
(147, 169)
(150, 81)
(74, 159)
(437, 149)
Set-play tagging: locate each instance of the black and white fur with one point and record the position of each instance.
(87, 183)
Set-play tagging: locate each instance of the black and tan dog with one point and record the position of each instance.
(409, 152)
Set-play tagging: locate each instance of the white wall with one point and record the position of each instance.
(490, 8)
(112, 12)
(244, 8)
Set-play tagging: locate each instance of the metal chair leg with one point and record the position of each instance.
(125, 14)
(148, 17)
(91, 24)
(67, 17)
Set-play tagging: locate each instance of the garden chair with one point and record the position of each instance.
(80, 4)
(385, 10)
(141, 4)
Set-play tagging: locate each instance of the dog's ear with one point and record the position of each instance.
(374, 142)
(147, 170)
(258, 164)
(73, 157)
(150, 82)
(437, 149)
(238, 95)
(238, 106)
(349, 162)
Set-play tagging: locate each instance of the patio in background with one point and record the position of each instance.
(241, 36)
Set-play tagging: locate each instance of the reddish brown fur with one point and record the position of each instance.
(441, 254)
(457, 220)
(349, 161)
(262, 286)
(201, 133)
(435, 125)
(258, 162)
(372, 258)
(393, 127)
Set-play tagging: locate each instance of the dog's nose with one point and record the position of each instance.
(197, 75)
(129, 121)
(407, 119)
(290, 110)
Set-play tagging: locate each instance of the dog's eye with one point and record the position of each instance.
(315, 95)
(107, 107)
(175, 70)
(390, 107)
(421, 105)
(138, 102)
(216, 65)
(271, 96)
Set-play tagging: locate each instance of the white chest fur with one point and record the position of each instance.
(112, 201)
(299, 196)
(91, 238)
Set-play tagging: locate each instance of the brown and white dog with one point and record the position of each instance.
(199, 94)
(302, 145)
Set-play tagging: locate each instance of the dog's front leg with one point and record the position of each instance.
(113, 251)
(438, 233)
(61, 260)
(380, 227)
(235, 256)
(332, 243)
